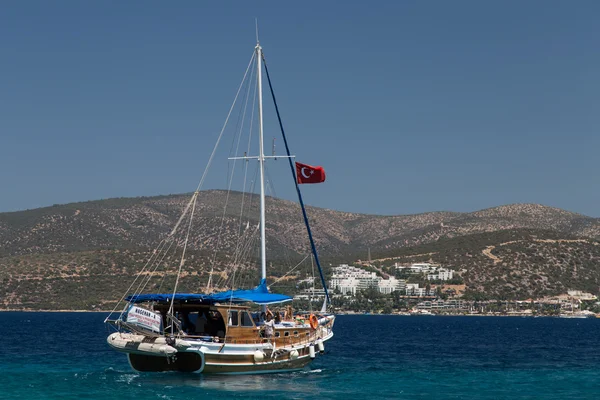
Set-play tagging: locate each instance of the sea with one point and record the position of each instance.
(65, 356)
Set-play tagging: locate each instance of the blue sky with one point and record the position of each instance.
(410, 106)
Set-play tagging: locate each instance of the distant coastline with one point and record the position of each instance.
(54, 311)
(401, 314)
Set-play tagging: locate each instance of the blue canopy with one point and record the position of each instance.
(258, 295)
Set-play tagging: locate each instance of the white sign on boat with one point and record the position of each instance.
(144, 319)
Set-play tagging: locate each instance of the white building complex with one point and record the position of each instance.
(348, 280)
(441, 274)
(432, 272)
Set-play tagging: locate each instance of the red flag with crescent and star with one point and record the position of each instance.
(308, 174)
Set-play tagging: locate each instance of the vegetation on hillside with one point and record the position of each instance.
(85, 255)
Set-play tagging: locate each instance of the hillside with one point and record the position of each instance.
(54, 255)
(141, 222)
(513, 264)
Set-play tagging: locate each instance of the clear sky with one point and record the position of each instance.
(411, 106)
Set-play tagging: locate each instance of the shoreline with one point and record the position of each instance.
(55, 311)
(343, 313)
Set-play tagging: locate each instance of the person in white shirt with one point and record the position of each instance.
(269, 326)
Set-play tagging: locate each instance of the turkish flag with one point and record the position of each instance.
(309, 174)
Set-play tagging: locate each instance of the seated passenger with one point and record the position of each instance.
(186, 325)
(215, 325)
(289, 313)
(201, 324)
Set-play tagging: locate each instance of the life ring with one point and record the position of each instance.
(314, 321)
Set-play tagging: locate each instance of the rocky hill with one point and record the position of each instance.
(96, 247)
(141, 222)
(512, 264)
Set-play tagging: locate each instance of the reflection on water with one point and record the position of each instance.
(284, 382)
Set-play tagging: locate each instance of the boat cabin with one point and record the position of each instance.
(233, 323)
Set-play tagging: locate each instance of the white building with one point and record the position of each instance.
(349, 280)
(418, 268)
(413, 289)
(583, 296)
(310, 293)
(424, 267)
(443, 305)
(442, 274)
(387, 286)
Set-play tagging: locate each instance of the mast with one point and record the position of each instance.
(261, 161)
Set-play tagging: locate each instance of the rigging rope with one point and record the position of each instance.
(290, 271)
(164, 276)
(157, 251)
(139, 275)
(247, 152)
(225, 124)
(243, 243)
(157, 263)
(182, 258)
(241, 126)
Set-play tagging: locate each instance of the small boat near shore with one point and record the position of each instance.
(420, 312)
(581, 314)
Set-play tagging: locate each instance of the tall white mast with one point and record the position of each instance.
(261, 161)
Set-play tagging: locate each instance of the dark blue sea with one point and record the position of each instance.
(65, 356)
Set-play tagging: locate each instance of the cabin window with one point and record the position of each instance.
(296, 333)
(277, 334)
(286, 333)
(215, 325)
(233, 318)
(245, 319)
(194, 323)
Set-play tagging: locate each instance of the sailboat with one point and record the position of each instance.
(229, 331)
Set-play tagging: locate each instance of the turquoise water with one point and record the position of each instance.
(65, 356)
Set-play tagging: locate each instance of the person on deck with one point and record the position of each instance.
(201, 324)
(269, 312)
(289, 314)
(269, 326)
(187, 326)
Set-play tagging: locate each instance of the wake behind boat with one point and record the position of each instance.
(223, 331)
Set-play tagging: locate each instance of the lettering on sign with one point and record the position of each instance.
(144, 319)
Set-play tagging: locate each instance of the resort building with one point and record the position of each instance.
(441, 305)
(310, 294)
(417, 268)
(348, 280)
(442, 274)
(413, 289)
(387, 286)
(582, 296)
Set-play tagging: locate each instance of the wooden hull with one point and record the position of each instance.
(258, 368)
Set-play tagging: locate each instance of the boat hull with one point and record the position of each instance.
(200, 356)
(183, 362)
(194, 360)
